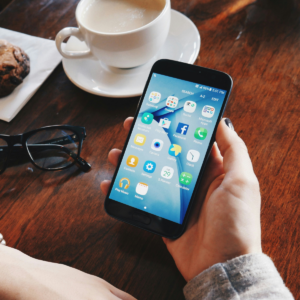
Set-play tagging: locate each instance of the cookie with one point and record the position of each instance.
(14, 67)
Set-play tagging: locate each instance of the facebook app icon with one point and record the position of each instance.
(182, 128)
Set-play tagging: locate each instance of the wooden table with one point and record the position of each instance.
(60, 216)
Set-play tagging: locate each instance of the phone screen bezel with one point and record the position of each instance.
(145, 220)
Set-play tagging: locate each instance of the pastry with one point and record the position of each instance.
(14, 67)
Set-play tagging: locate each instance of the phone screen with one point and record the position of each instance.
(167, 147)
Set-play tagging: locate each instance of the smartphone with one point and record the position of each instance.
(164, 157)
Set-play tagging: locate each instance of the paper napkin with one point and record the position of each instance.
(44, 57)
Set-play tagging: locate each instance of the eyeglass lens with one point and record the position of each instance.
(3, 153)
(53, 148)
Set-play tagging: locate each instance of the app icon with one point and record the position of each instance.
(132, 161)
(141, 188)
(208, 111)
(190, 106)
(165, 123)
(147, 118)
(149, 166)
(140, 139)
(185, 178)
(174, 150)
(172, 102)
(182, 128)
(157, 144)
(124, 183)
(200, 133)
(193, 155)
(167, 172)
(154, 97)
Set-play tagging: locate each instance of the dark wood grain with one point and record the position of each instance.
(4, 3)
(60, 216)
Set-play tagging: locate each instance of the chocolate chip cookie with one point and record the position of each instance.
(14, 67)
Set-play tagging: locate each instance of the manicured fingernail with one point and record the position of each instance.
(229, 124)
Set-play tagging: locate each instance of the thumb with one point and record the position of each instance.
(236, 160)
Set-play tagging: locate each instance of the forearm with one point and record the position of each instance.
(13, 275)
(252, 276)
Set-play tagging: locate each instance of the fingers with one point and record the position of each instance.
(105, 186)
(113, 156)
(215, 153)
(213, 169)
(236, 160)
(127, 123)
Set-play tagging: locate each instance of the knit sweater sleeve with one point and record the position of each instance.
(252, 276)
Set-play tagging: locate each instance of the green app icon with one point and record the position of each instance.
(147, 118)
(200, 133)
(185, 178)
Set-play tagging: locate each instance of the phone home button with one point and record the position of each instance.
(140, 217)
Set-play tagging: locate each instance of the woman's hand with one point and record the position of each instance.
(25, 278)
(225, 222)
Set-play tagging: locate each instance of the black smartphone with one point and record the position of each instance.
(170, 140)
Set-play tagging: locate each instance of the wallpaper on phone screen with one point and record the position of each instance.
(167, 147)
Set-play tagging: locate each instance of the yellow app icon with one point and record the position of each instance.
(132, 161)
(124, 183)
(140, 139)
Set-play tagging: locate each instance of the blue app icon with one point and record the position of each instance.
(182, 128)
(149, 166)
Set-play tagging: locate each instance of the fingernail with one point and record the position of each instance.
(229, 124)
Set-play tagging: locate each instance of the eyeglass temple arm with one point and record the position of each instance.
(60, 141)
(85, 166)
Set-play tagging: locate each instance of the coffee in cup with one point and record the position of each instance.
(119, 33)
(114, 16)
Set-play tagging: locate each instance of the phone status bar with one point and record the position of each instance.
(210, 89)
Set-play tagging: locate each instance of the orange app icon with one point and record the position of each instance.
(132, 161)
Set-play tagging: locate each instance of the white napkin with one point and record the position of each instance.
(44, 57)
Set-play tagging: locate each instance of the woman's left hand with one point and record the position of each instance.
(25, 278)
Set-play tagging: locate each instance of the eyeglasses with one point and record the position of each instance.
(49, 148)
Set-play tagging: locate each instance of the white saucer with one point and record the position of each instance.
(182, 44)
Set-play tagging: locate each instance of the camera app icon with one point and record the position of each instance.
(157, 144)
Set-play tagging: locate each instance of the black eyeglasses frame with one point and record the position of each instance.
(22, 139)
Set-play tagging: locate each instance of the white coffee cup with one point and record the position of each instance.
(122, 50)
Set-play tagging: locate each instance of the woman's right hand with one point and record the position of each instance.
(225, 222)
(26, 278)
